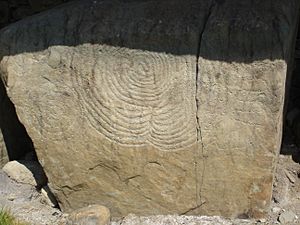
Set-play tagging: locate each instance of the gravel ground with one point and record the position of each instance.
(180, 220)
(26, 203)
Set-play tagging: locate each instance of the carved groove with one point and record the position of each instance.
(135, 98)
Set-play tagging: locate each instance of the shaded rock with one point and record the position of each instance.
(26, 172)
(3, 152)
(4, 12)
(14, 140)
(21, 12)
(287, 217)
(13, 10)
(39, 5)
(147, 115)
(48, 196)
(91, 215)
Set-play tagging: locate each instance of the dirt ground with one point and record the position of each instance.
(286, 187)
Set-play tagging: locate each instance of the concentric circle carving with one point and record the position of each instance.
(135, 97)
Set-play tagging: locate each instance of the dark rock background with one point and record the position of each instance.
(14, 10)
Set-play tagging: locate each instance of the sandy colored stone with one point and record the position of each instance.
(91, 215)
(154, 107)
(26, 172)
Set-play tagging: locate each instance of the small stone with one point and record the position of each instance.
(287, 217)
(290, 176)
(91, 215)
(55, 214)
(262, 220)
(26, 172)
(11, 197)
(276, 210)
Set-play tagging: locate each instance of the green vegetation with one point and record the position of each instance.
(7, 219)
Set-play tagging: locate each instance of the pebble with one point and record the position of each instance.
(91, 215)
(287, 217)
(11, 197)
(262, 220)
(290, 176)
(276, 210)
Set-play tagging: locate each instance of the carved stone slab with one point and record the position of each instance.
(154, 107)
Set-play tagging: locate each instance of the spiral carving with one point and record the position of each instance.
(134, 97)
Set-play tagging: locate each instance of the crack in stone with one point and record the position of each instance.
(200, 153)
(192, 209)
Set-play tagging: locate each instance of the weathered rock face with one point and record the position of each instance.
(154, 107)
(13, 10)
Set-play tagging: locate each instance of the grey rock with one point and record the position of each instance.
(23, 201)
(287, 217)
(276, 209)
(290, 176)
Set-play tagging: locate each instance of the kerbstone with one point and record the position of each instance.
(154, 107)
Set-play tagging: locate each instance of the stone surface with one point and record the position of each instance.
(13, 10)
(287, 217)
(14, 140)
(26, 172)
(154, 107)
(91, 215)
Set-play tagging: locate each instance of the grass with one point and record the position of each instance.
(6, 218)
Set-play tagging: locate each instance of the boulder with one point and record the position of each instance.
(287, 217)
(26, 172)
(154, 107)
(90, 215)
